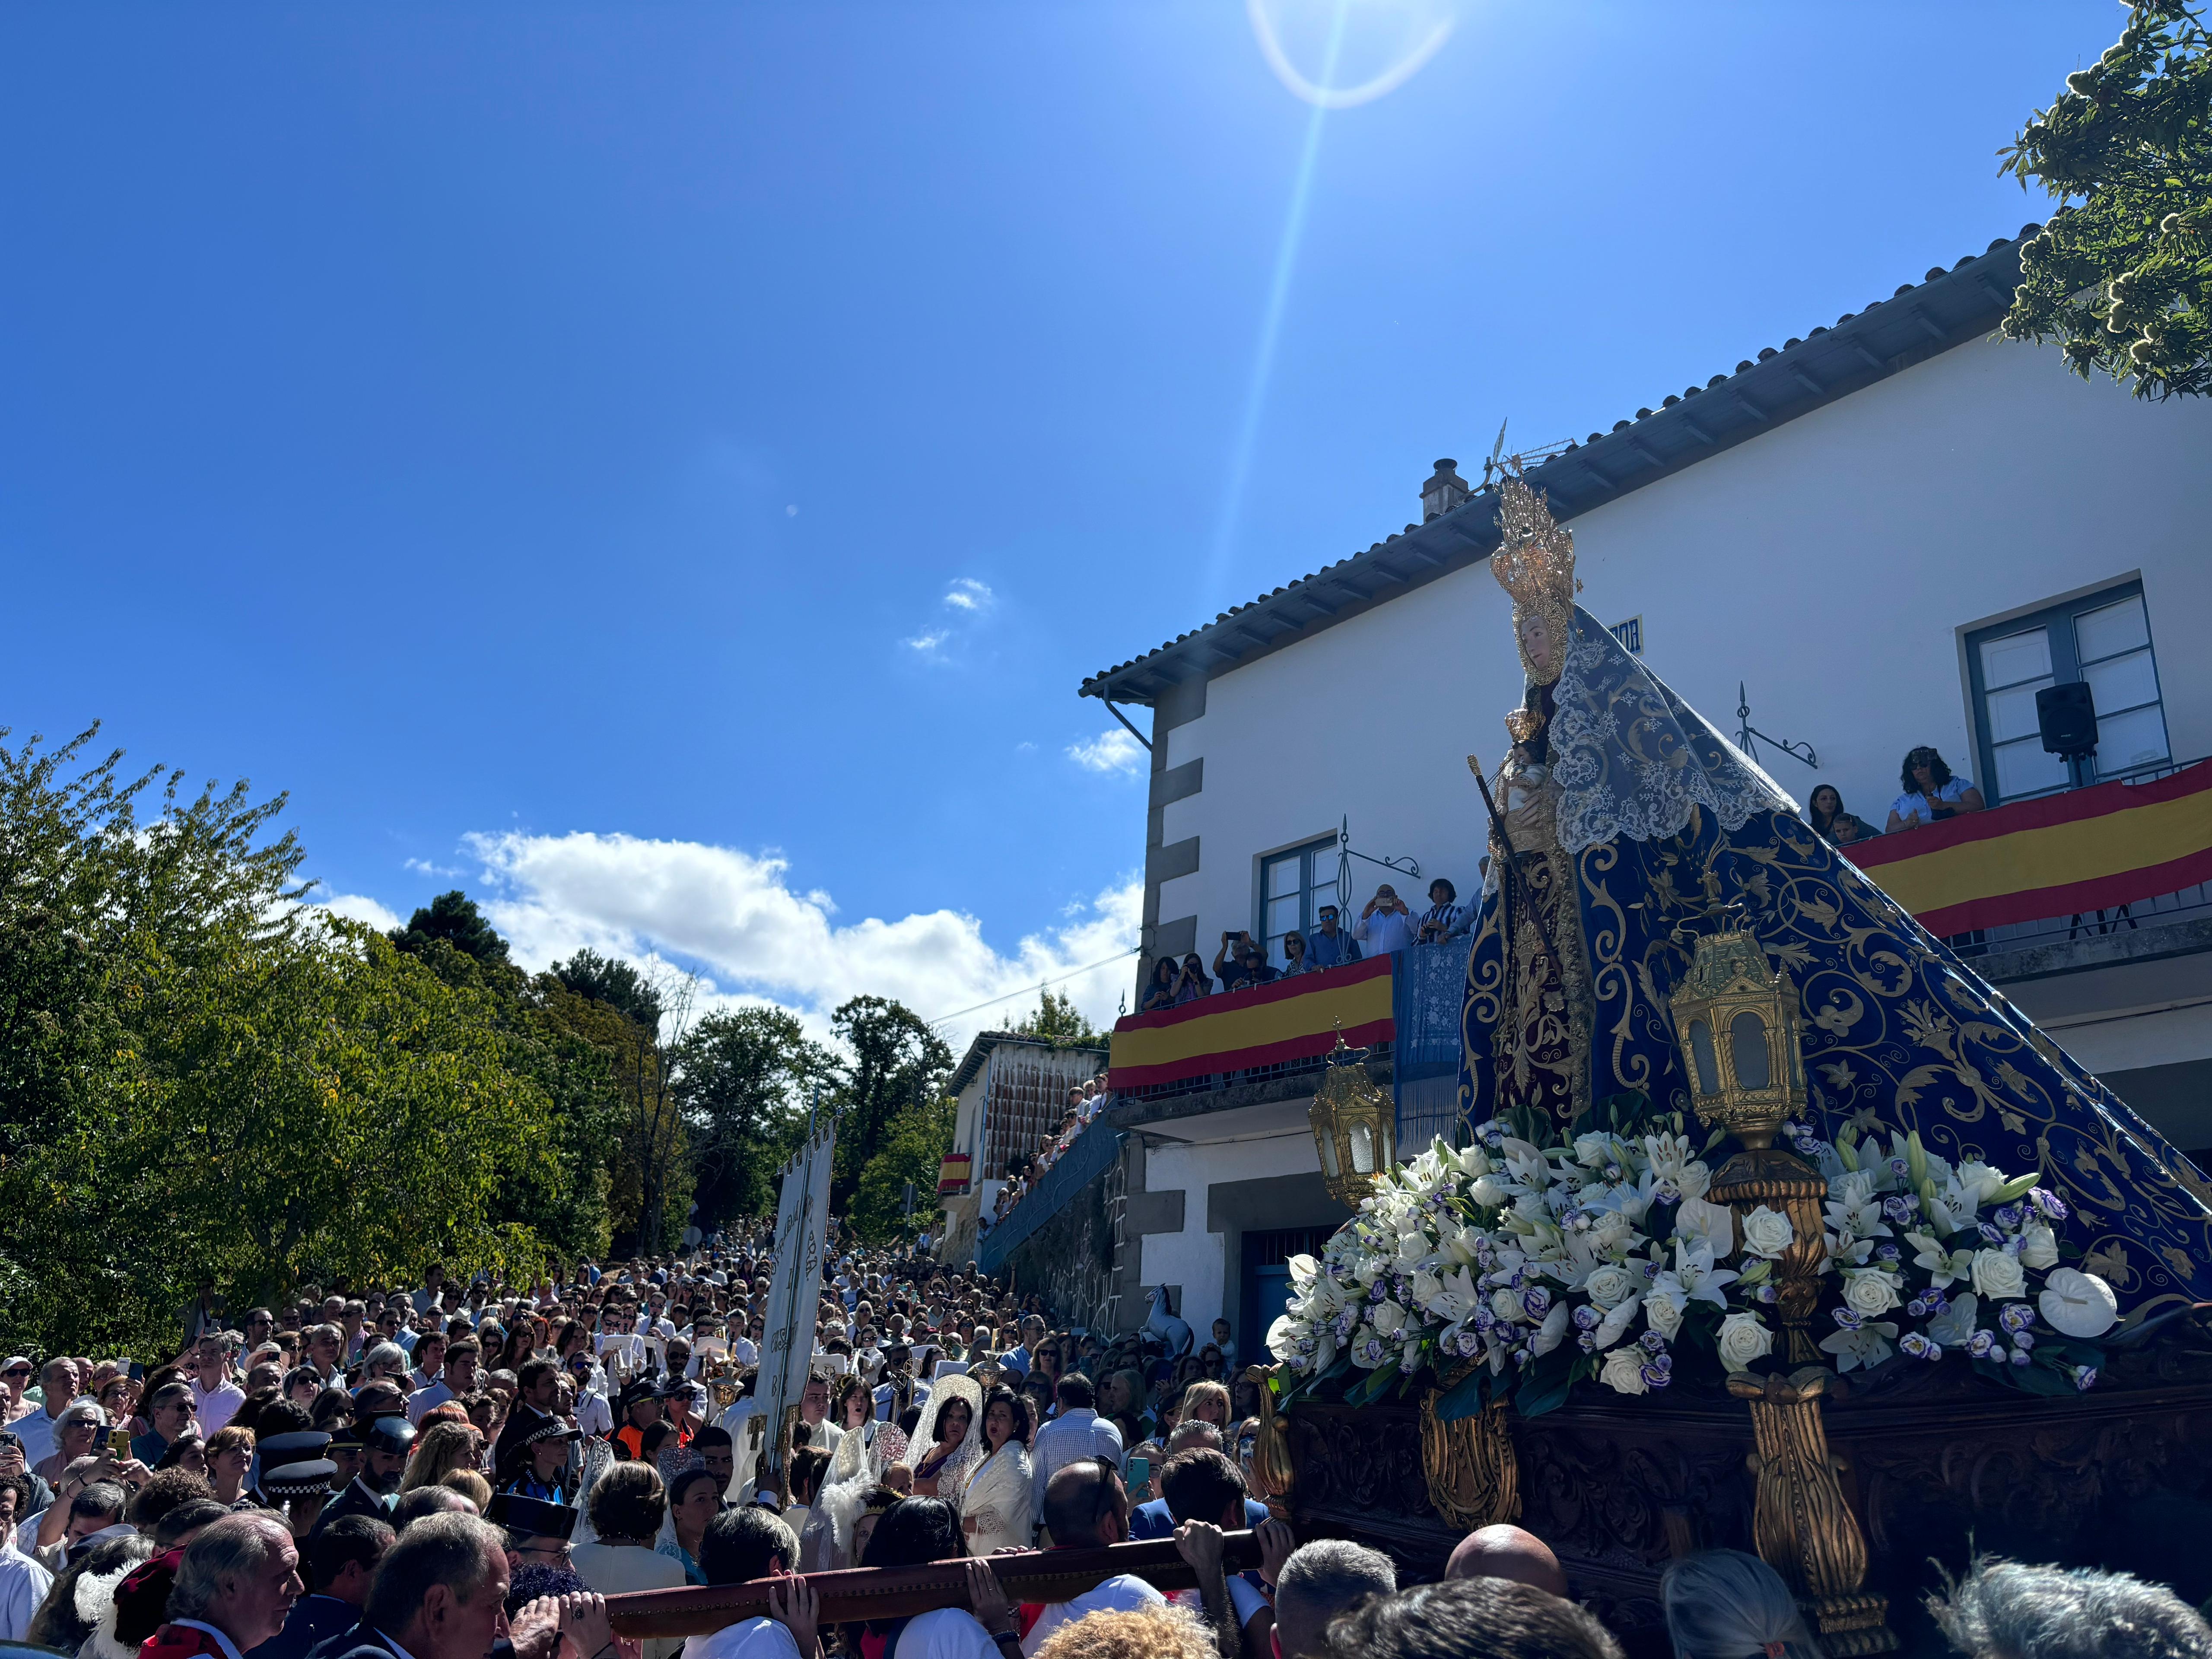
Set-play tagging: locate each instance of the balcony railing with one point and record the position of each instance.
(1088, 1156)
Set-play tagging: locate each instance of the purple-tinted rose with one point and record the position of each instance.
(1885, 1252)
(1981, 1344)
(2085, 1377)
(2015, 1317)
(1847, 1319)
(1900, 1169)
(2008, 1217)
(1894, 1208)
(1918, 1307)
(1484, 1318)
(1587, 1342)
(1652, 1342)
(1919, 1346)
(1535, 1302)
(1655, 1375)
(2023, 1338)
(2049, 1202)
(2020, 1357)
(1990, 1232)
(1587, 1318)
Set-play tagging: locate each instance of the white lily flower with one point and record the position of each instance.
(1944, 1267)
(1615, 1324)
(1694, 1272)
(1551, 1331)
(1712, 1225)
(1866, 1346)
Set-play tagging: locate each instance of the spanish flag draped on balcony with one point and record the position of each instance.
(1288, 1019)
(2066, 854)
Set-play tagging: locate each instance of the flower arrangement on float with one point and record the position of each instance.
(1511, 1266)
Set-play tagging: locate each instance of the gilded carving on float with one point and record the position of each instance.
(1473, 1476)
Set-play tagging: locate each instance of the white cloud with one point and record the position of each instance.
(1110, 751)
(359, 906)
(424, 867)
(733, 915)
(927, 642)
(968, 594)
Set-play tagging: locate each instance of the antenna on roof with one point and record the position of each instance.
(1500, 462)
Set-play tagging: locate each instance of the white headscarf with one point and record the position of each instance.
(970, 1453)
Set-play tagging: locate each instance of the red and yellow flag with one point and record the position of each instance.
(2066, 854)
(952, 1175)
(1289, 1019)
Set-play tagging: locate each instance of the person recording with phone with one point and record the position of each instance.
(1249, 967)
(1386, 924)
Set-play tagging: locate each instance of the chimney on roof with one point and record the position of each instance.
(1442, 492)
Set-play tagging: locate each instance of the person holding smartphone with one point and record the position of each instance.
(1386, 924)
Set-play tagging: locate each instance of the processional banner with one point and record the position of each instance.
(2065, 854)
(802, 1216)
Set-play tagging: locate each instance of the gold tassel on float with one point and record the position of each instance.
(1801, 1522)
(1473, 1472)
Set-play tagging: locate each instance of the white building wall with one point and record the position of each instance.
(1833, 565)
(1194, 1258)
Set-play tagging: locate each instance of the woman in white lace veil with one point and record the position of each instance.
(941, 1467)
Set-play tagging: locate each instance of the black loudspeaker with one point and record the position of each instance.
(2068, 715)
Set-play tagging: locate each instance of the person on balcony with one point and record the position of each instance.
(1247, 966)
(1161, 992)
(1192, 983)
(1386, 924)
(1932, 793)
(1329, 948)
(1445, 918)
(1829, 818)
(1295, 959)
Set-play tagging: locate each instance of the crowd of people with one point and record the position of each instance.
(1085, 1101)
(427, 1473)
(1928, 793)
(1385, 924)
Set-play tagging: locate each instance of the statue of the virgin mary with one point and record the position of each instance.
(1623, 816)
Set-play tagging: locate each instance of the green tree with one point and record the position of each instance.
(2121, 277)
(745, 1075)
(909, 1149)
(452, 919)
(639, 1026)
(897, 1061)
(1057, 1019)
(199, 1076)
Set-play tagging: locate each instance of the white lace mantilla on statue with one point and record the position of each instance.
(1632, 760)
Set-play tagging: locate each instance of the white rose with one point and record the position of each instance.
(1767, 1232)
(1694, 1179)
(1506, 1303)
(1485, 1193)
(1869, 1294)
(1608, 1285)
(2078, 1303)
(2038, 1248)
(1389, 1318)
(1740, 1339)
(1591, 1149)
(1997, 1272)
(1623, 1372)
(1664, 1313)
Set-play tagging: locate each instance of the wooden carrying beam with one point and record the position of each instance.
(860, 1593)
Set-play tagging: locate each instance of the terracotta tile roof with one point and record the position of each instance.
(1945, 309)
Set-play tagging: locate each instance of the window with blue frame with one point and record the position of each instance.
(2104, 639)
(1293, 886)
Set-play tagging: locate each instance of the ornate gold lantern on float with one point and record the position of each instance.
(1739, 1024)
(1355, 1127)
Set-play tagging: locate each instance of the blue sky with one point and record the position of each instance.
(671, 464)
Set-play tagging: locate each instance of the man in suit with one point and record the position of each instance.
(236, 1584)
(341, 1559)
(386, 1440)
(439, 1593)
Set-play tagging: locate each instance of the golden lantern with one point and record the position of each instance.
(1355, 1127)
(1740, 1022)
(1740, 1025)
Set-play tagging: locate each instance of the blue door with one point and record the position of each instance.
(1267, 1287)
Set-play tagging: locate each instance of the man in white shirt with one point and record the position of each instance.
(744, 1544)
(215, 1394)
(1086, 1506)
(1077, 1432)
(23, 1582)
(57, 1384)
(1385, 925)
(463, 1359)
(425, 1300)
